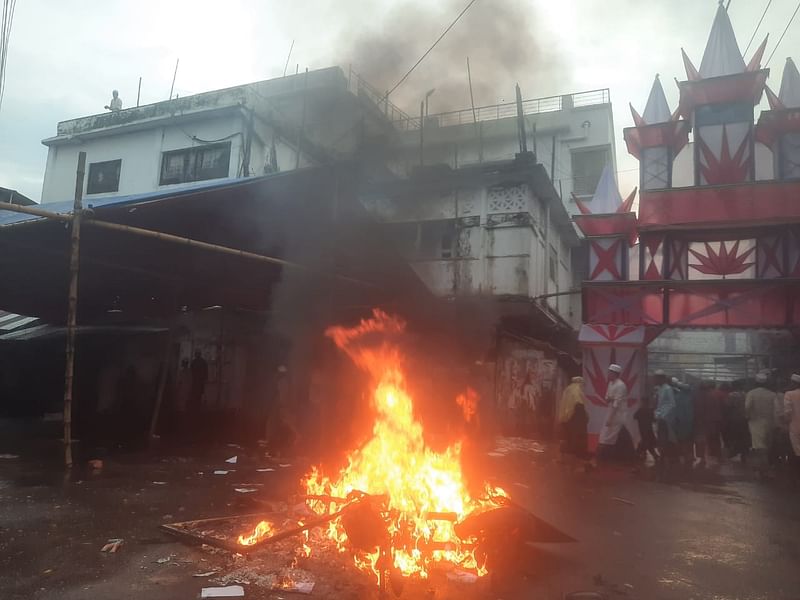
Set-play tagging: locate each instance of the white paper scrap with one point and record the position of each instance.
(265, 470)
(229, 591)
(221, 472)
(232, 460)
(245, 490)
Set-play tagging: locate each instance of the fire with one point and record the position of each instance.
(262, 530)
(468, 401)
(423, 492)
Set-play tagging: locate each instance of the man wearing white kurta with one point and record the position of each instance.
(617, 418)
(791, 401)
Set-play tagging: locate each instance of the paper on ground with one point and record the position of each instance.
(232, 460)
(264, 470)
(229, 591)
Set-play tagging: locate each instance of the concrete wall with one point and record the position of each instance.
(141, 152)
(500, 239)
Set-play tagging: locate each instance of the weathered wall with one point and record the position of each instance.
(466, 144)
(482, 241)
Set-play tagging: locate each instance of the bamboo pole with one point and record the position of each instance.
(168, 237)
(74, 265)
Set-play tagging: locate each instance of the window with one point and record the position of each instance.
(790, 156)
(587, 166)
(104, 177)
(195, 164)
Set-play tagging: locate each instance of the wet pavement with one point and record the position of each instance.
(702, 535)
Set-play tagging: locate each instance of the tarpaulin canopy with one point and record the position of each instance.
(309, 216)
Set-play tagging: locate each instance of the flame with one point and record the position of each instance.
(262, 530)
(397, 464)
(468, 401)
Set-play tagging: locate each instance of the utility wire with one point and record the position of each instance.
(428, 51)
(752, 37)
(794, 14)
(5, 35)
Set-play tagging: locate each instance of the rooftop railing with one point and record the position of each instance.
(507, 109)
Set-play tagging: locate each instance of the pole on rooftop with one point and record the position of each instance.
(72, 304)
(422, 134)
(300, 130)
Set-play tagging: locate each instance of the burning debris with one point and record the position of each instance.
(416, 495)
(402, 510)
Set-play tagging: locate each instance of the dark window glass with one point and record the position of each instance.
(587, 167)
(104, 177)
(719, 114)
(195, 164)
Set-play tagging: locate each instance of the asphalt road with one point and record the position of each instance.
(701, 536)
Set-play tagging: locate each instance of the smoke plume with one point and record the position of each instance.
(504, 40)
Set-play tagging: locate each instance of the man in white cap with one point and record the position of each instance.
(759, 405)
(617, 399)
(791, 401)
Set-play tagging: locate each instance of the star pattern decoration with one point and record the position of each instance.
(726, 168)
(725, 261)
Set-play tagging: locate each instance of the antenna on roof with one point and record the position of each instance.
(174, 76)
(286, 66)
(139, 92)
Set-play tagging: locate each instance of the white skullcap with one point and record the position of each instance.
(660, 372)
(615, 368)
(761, 377)
(795, 377)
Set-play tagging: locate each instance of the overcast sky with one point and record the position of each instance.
(65, 57)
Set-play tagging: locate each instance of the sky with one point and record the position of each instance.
(65, 58)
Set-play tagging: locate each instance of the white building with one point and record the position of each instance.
(571, 136)
(474, 221)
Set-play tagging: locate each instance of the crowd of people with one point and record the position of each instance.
(755, 421)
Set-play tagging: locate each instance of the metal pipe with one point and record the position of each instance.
(72, 300)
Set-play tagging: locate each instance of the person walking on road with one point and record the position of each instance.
(617, 418)
(759, 406)
(573, 418)
(791, 402)
(665, 416)
(684, 417)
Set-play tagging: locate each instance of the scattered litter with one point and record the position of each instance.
(229, 591)
(506, 445)
(159, 483)
(206, 574)
(168, 517)
(166, 559)
(221, 472)
(265, 470)
(112, 545)
(627, 586)
(9, 455)
(283, 466)
(96, 464)
(232, 460)
(522, 485)
(462, 576)
(628, 502)
(291, 580)
(246, 490)
(47, 571)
